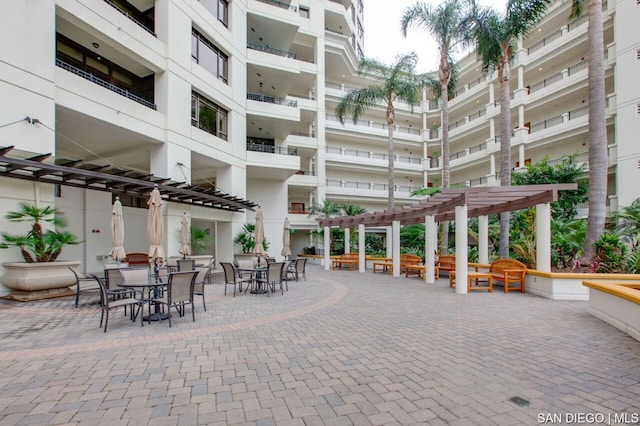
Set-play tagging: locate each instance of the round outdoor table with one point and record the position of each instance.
(255, 276)
(155, 285)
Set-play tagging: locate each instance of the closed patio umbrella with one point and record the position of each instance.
(117, 232)
(154, 226)
(286, 240)
(185, 237)
(259, 237)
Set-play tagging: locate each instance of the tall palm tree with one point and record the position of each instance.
(496, 37)
(598, 157)
(397, 82)
(450, 24)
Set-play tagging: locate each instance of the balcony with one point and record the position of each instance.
(409, 133)
(103, 83)
(368, 189)
(270, 149)
(271, 100)
(467, 119)
(144, 21)
(271, 50)
(280, 4)
(375, 159)
(559, 119)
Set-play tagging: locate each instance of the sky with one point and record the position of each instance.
(383, 39)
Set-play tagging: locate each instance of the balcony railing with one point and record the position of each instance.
(280, 4)
(380, 125)
(270, 149)
(371, 155)
(546, 82)
(271, 50)
(306, 172)
(468, 151)
(369, 186)
(469, 118)
(559, 119)
(105, 84)
(271, 100)
(559, 33)
(131, 18)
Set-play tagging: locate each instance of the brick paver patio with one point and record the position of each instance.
(342, 348)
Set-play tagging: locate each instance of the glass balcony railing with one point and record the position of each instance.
(280, 4)
(271, 50)
(270, 149)
(271, 100)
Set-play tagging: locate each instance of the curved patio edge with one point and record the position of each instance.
(617, 304)
(568, 286)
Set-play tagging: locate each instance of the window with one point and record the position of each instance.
(219, 9)
(208, 56)
(304, 12)
(208, 116)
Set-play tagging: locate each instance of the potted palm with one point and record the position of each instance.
(41, 275)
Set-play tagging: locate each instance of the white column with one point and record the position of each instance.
(327, 248)
(430, 248)
(483, 239)
(462, 249)
(543, 237)
(521, 114)
(361, 254)
(395, 225)
(347, 241)
(492, 163)
(521, 155)
(389, 242)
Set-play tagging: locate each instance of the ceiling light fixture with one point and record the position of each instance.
(95, 45)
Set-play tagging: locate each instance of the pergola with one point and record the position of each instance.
(458, 204)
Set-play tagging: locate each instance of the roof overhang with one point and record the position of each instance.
(108, 178)
(479, 201)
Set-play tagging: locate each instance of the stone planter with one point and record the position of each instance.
(35, 281)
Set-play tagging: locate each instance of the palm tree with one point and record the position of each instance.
(324, 210)
(598, 157)
(397, 82)
(496, 36)
(349, 209)
(450, 24)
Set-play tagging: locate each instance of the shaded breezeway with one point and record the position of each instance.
(340, 348)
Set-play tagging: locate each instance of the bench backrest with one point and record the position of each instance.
(410, 259)
(352, 256)
(501, 264)
(447, 259)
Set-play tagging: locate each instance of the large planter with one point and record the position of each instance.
(568, 286)
(35, 281)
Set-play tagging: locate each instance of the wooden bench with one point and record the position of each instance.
(386, 267)
(350, 260)
(447, 263)
(409, 264)
(507, 271)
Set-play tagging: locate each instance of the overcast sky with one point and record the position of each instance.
(383, 39)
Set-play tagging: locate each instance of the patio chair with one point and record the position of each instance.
(186, 265)
(84, 285)
(113, 280)
(300, 268)
(179, 293)
(231, 278)
(198, 286)
(107, 304)
(273, 277)
(210, 267)
(287, 272)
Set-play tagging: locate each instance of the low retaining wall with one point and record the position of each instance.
(616, 304)
(568, 286)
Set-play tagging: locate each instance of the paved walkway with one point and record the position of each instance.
(342, 348)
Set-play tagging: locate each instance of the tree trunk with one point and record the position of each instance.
(446, 169)
(504, 73)
(598, 156)
(390, 122)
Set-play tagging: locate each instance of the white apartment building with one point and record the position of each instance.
(237, 97)
(225, 95)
